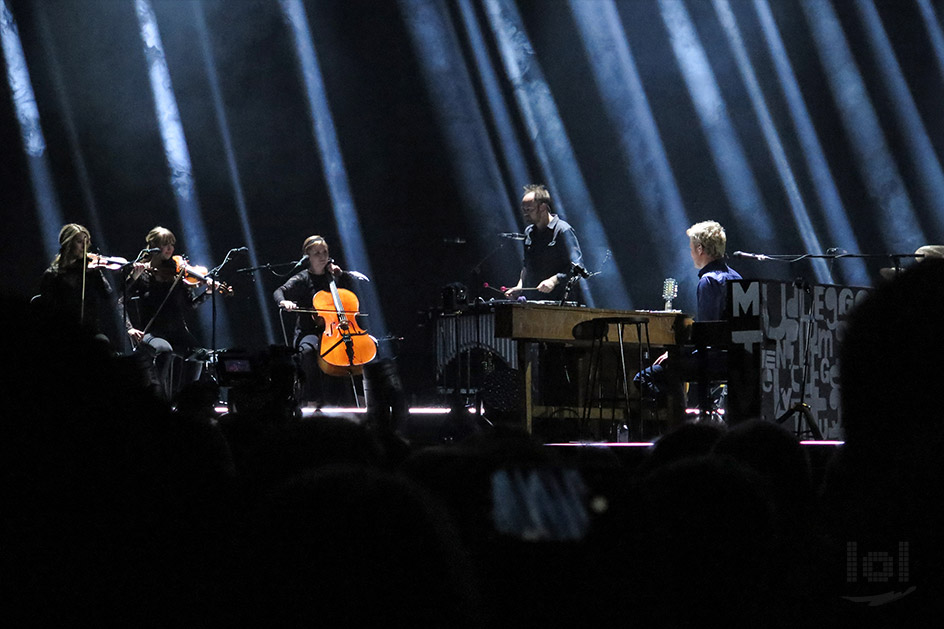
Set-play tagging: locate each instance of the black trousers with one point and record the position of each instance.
(163, 356)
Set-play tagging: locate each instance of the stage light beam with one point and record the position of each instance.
(924, 161)
(332, 160)
(832, 210)
(935, 34)
(899, 225)
(731, 164)
(559, 166)
(627, 106)
(453, 97)
(177, 155)
(262, 299)
(795, 200)
(34, 144)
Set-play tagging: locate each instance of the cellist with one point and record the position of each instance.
(158, 301)
(298, 292)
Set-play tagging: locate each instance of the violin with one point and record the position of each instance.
(345, 347)
(112, 263)
(192, 275)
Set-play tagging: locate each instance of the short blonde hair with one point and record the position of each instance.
(710, 235)
(311, 241)
(159, 237)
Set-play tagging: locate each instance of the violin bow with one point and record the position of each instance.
(177, 278)
(84, 273)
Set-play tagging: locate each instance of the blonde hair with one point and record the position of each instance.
(710, 235)
(67, 236)
(160, 237)
(311, 241)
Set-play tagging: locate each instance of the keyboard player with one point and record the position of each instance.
(707, 245)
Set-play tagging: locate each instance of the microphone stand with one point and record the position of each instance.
(577, 272)
(213, 274)
(476, 270)
(125, 273)
(575, 275)
(268, 266)
(802, 407)
(895, 258)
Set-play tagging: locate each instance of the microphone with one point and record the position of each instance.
(239, 250)
(752, 256)
(454, 241)
(302, 261)
(512, 235)
(576, 269)
(836, 251)
(152, 250)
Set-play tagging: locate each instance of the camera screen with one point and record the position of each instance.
(236, 365)
(540, 504)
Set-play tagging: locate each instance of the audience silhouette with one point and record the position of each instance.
(121, 509)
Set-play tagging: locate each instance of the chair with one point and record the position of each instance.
(707, 365)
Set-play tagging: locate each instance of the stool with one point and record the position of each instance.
(597, 332)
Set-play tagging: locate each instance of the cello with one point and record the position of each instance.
(345, 346)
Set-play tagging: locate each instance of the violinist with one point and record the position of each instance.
(297, 294)
(158, 302)
(72, 292)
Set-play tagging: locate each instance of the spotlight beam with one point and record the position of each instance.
(512, 153)
(935, 34)
(222, 123)
(732, 166)
(832, 211)
(177, 155)
(624, 97)
(745, 68)
(924, 160)
(460, 117)
(34, 144)
(879, 173)
(332, 160)
(559, 165)
(68, 118)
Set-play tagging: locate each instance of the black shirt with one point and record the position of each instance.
(302, 288)
(61, 290)
(147, 294)
(551, 251)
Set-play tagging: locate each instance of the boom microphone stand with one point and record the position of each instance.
(576, 272)
(802, 407)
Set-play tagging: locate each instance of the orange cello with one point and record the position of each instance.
(345, 347)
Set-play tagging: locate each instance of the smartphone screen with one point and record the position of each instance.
(540, 504)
